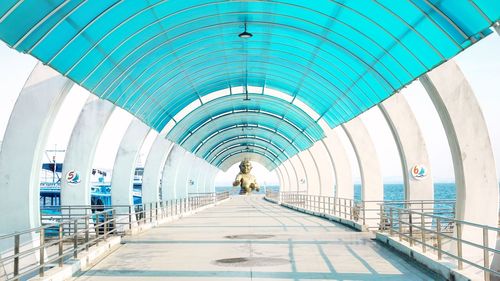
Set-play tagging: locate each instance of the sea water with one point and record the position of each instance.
(395, 191)
(392, 191)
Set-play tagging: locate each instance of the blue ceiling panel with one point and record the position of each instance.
(153, 58)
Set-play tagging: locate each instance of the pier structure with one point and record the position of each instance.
(274, 82)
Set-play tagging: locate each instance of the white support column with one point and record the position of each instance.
(23, 147)
(181, 177)
(172, 164)
(194, 170)
(300, 171)
(287, 178)
(81, 150)
(495, 263)
(204, 176)
(211, 179)
(344, 187)
(280, 175)
(198, 175)
(202, 173)
(325, 168)
(313, 181)
(284, 178)
(153, 169)
(293, 179)
(411, 146)
(371, 178)
(474, 165)
(125, 163)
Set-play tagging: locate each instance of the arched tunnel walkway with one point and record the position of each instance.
(247, 238)
(288, 92)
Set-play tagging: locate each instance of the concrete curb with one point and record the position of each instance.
(81, 263)
(442, 267)
(86, 259)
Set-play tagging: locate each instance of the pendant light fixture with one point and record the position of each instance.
(245, 34)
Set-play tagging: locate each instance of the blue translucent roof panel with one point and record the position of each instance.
(155, 57)
(238, 105)
(207, 145)
(247, 121)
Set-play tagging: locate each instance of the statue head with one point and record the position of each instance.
(245, 167)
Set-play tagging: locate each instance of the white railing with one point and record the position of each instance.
(444, 237)
(66, 231)
(429, 225)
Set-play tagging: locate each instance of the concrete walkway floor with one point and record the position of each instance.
(247, 238)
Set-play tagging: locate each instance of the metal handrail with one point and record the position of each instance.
(76, 232)
(355, 210)
(410, 224)
(414, 221)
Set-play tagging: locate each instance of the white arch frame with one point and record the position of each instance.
(81, 150)
(344, 187)
(23, 146)
(411, 146)
(153, 169)
(125, 163)
(372, 188)
(473, 161)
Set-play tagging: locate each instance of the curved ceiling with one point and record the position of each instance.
(246, 140)
(154, 58)
(285, 120)
(250, 121)
(228, 134)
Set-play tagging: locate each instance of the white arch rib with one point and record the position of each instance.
(81, 150)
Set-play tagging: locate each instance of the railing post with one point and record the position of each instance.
(166, 208)
(422, 226)
(151, 212)
(87, 233)
(156, 210)
(391, 222)
(381, 214)
(16, 252)
(105, 226)
(410, 222)
(459, 246)
(334, 206)
(439, 244)
(60, 245)
(400, 227)
(350, 209)
(42, 252)
(345, 209)
(130, 217)
(486, 253)
(364, 211)
(113, 221)
(329, 205)
(75, 239)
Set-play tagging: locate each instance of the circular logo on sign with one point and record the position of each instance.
(419, 172)
(73, 177)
